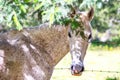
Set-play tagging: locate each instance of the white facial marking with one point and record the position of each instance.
(87, 33)
(77, 45)
(25, 48)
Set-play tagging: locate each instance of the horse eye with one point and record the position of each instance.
(89, 37)
(69, 34)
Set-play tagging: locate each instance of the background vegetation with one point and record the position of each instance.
(25, 13)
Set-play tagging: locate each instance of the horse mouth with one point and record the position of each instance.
(76, 73)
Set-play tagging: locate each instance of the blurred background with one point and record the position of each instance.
(102, 61)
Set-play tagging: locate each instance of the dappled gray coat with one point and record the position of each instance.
(31, 54)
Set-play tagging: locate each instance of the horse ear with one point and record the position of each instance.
(91, 13)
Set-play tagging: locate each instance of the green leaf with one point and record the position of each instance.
(74, 25)
(26, 1)
(38, 6)
(69, 1)
(51, 19)
(22, 8)
(17, 23)
(35, 1)
(16, 1)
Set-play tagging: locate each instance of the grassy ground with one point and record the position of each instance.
(100, 60)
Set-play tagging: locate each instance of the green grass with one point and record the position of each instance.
(101, 60)
(109, 78)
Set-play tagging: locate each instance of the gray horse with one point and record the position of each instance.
(31, 54)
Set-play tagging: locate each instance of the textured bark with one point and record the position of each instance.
(31, 54)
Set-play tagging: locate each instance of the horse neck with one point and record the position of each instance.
(53, 40)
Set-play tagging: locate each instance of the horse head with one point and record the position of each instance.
(79, 39)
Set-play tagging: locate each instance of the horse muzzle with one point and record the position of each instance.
(77, 69)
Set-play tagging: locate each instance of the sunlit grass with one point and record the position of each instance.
(95, 60)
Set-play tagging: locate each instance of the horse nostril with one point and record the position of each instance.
(82, 69)
(72, 67)
(77, 68)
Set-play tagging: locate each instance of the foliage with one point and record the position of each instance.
(24, 13)
(114, 43)
(107, 15)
